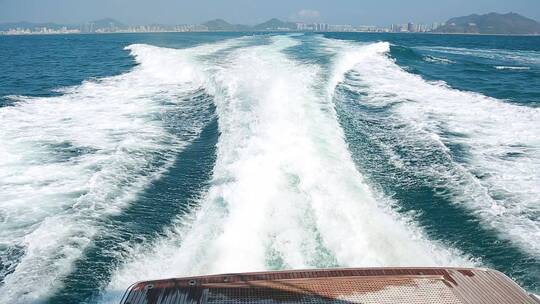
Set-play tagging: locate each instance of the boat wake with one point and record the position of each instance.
(285, 189)
(285, 192)
(491, 146)
(71, 161)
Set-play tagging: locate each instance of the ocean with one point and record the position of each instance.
(127, 157)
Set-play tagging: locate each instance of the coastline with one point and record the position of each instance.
(304, 32)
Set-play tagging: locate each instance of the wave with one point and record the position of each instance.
(530, 57)
(285, 192)
(518, 68)
(438, 60)
(69, 162)
(497, 174)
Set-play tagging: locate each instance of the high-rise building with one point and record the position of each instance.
(410, 27)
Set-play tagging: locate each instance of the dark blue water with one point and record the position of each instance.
(37, 65)
(469, 62)
(119, 164)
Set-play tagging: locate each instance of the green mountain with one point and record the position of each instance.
(109, 25)
(270, 25)
(275, 25)
(222, 25)
(492, 23)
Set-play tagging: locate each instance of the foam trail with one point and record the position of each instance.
(519, 68)
(499, 177)
(285, 192)
(68, 162)
(438, 60)
(523, 57)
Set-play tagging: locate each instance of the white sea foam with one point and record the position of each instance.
(499, 180)
(519, 68)
(285, 192)
(67, 162)
(439, 60)
(521, 56)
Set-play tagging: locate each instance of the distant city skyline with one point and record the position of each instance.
(113, 26)
(367, 12)
(500, 24)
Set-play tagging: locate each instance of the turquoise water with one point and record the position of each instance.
(130, 157)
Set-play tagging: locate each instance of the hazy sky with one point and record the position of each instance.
(357, 12)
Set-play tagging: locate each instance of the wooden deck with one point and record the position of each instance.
(355, 285)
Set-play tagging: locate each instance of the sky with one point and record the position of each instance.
(355, 12)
